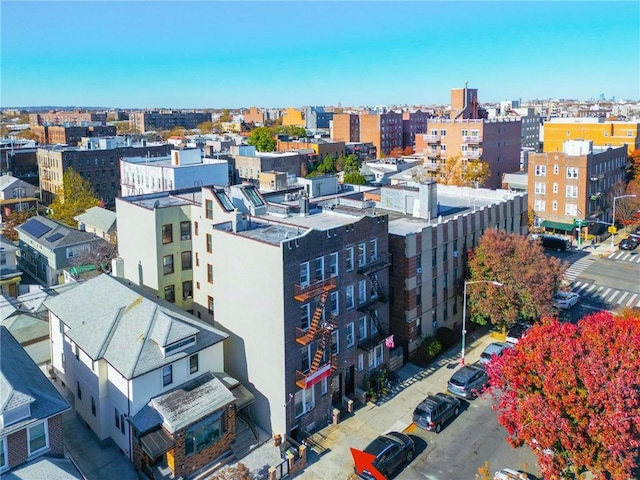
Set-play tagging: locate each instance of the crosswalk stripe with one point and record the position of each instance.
(611, 255)
(632, 299)
(591, 287)
(606, 292)
(621, 299)
(613, 295)
(619, 255)
(638, 259)
(582, 288)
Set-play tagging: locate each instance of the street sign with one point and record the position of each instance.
(612, 230)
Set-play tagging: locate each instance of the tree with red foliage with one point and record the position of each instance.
(572, 394)
(530, 278)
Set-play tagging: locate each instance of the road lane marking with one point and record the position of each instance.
(621, 299)
(615, 293)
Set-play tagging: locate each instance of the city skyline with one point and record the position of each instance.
(277, 54)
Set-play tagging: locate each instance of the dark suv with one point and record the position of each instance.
(468, 381)
(434, 410)
(392, 451)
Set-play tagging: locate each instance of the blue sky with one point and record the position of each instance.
(276, 54)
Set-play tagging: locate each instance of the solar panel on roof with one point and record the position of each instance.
(54, 237)
(35, 228)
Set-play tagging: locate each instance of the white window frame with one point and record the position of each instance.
(350, 301)
(571, 209)
(306, 398)
(5, 454)
(540, 188)
(349, 259)
(540, 170)
(362, 327)
(572, 172)
(373, 250)
(362, 292)
(555, 187)
(318, 273)
(304, 270)
(571, 191)
(334, 303)
(306, 307)
(376, 356)
(556, 169)
(361, 362)
(554, 206)
(333, 264)
(351, 335)
(538, 205)
(362, 254)
(170, 367)
(46, 438)
(324, 386)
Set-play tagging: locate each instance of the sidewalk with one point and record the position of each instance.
(333, 460)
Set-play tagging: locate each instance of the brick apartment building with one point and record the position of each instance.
(95, 159)
(574, 183)
(383, 130)
(71, 118)
(167, 120)
(413, 123)
(70, 135)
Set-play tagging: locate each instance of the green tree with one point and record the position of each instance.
(530, 278)
(75, 197)
(475, 173)
(352, 164)
(206, 127)
(262, 139)
(14, 219)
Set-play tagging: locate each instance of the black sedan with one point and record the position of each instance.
(392, 451)
(628, 244)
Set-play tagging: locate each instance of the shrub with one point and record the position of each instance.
(447, 337)
(432, 346)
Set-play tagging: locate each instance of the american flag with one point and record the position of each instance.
(389, 342)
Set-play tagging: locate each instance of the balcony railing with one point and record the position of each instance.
(382, 261)
(431, 138)
(306, 336)
(472, 154)
(473, 139)
(306, 380)
(305, 292)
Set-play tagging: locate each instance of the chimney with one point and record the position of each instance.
(304, 205)
(238, 224)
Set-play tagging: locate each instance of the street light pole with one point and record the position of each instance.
(464, 310)
(613, 219)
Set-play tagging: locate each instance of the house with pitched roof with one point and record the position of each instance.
(31, 437)
(100, 221)
(48, 248)
(143, 375)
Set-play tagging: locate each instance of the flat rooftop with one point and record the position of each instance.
(164, 199)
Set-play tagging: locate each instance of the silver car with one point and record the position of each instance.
(495, 348)
(468, 381)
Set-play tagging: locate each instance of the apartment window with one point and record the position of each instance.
(186, 260)
(333, 264)
(445, 280)
(351, 335)
(185, 230)
(319, 272)
(303, 401)
(443, 133)
(419, 296)
(571, 209)
(3, 454)
(362, 292)
(445, 311)
(167, 375)
(373, 250)
(304, 274)
(350, 303)
(349, 259)
(541, 188)
(210, 305)
(187, 289)
(375, 357)
(362, 254)
(572, 191)
(555, 188)
(540, 170)
(209, 209)
(333, 303)
(554, 206)
(434, 288)
(305, 354)
(76, 351)
(209, 243)
(434, 257)
(38, 438)
(79, 390)
(556, 169)
(167, 264)
(197, 259)
(209, 273)
(362, 328)
(304, 316)
(572, 172)
(93, 406)
(167, 233)
(324, 386)
(195, 228)
(360, 362)
(193, 364)
(170, 293)
(445, 254)
(538, 205)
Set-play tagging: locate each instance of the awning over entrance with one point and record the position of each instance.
(565, 227)
(156, 443)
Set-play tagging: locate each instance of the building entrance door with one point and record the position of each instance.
(349, 381)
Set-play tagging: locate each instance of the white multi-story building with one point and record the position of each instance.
(181, 169)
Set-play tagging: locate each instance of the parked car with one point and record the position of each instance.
(495, 348)
(565, 300)
(628, 244)
(555, 243)
(510, 474)
(392, 451)
(435, 410)
(516, 332)
(468, 381)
